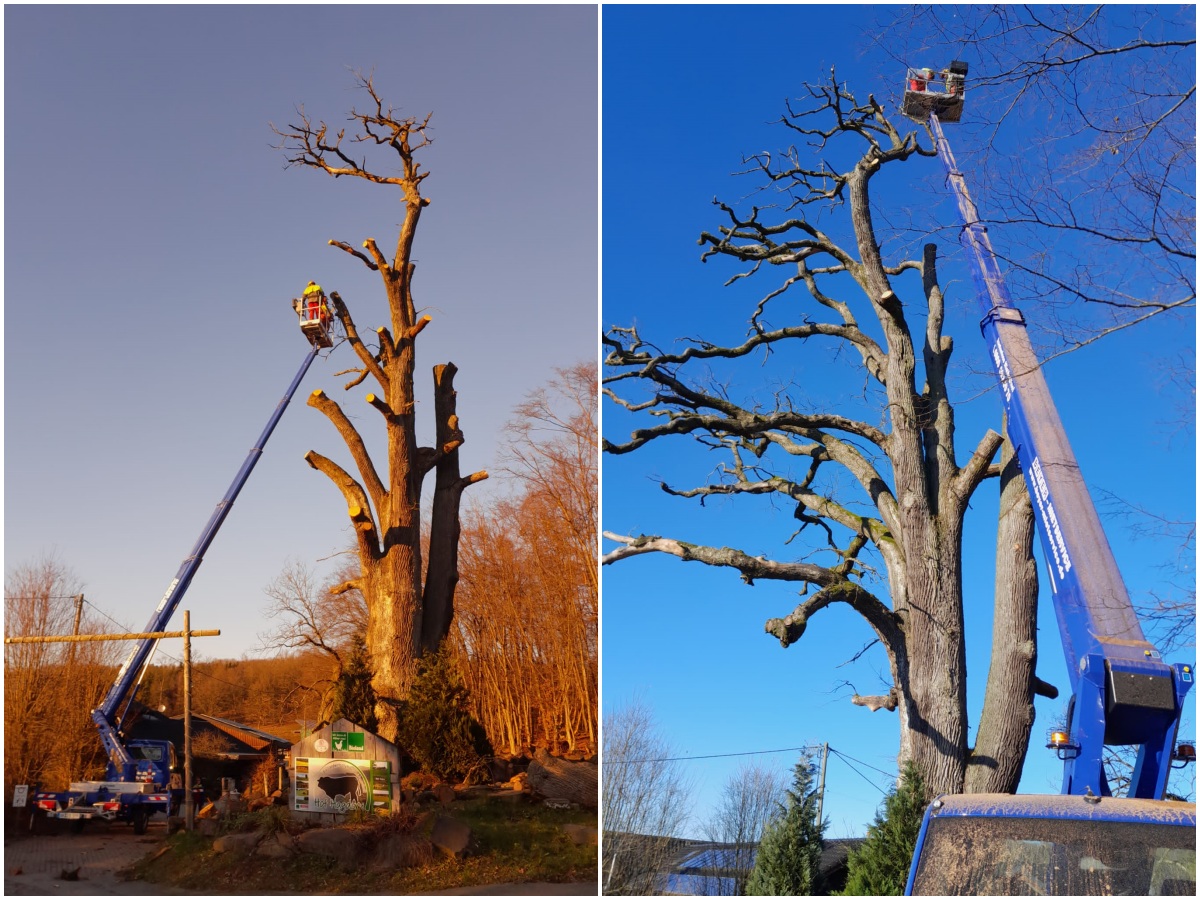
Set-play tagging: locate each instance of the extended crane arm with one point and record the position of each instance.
(1123, 692)
(124, 687)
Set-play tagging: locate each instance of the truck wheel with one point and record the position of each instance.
(141, 819)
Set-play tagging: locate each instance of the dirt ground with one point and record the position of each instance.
(88, 864)
(84, 864)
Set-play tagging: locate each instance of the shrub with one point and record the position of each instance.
(436, 727)
(880, 867)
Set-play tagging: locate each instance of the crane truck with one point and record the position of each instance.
(143, 776)
(1083, 840)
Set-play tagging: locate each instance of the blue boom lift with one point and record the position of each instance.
(143, 776)
(1083, 840)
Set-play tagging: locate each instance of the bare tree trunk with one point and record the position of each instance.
(385, 509)
(1002, 738)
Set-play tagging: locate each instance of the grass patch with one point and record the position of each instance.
(518, 843)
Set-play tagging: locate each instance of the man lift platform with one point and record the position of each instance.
(316, 321)
(927, 91)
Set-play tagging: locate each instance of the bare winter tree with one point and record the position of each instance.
(315, 614)
(49, 736)
(410, 604)
(879, 480)
(645, 800)
(748, 801)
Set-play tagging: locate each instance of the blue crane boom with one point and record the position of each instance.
(105, 715)
(1123, 692)
(1082, 841)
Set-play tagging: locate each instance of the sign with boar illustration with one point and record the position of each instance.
(341, 785)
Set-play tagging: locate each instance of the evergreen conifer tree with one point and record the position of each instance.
(353, 697)
(789, 854)
(880, 867)
(436, 726)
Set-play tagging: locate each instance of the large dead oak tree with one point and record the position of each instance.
(410, 605)
(901, 457)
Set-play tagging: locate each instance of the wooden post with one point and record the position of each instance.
(189, 807)
(820, 783)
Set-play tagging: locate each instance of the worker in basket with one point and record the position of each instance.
(314, 307)
(921, 77)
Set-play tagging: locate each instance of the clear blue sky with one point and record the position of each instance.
(153, 240)
(689, 92)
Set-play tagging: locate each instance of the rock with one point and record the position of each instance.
(243, 842)
(576, 782)
(445, 794)
(207, 827)
(335, 842)
(277, 846)
(583, 835)
(452, 837)
(426, 797)
(401, 851)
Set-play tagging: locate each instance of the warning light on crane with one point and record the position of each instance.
(1184, 753)
(1060, 743)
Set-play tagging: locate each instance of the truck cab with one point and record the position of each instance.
(1055, 846)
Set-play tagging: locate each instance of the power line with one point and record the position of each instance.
(630, 762)
(868, 765)
(195, 670)
(846, 760)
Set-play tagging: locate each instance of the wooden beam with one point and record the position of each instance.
(79, 638)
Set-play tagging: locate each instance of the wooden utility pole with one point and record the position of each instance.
(820, 781)
(189, 807)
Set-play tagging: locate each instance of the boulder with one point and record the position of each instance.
(445, 794)
(401, 851)
(335, 842)
(243, 842)
(452, 837)
(576, 782)
(583, 835)
(277, 846)
(207, 827)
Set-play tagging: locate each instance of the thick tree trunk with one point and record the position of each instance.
(1002, 738)
(933, 703)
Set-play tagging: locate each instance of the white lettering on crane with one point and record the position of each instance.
(163, 601)
(1050, 524)
(1003, 370)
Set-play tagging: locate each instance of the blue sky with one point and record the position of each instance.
(688, 93)
(154, 239)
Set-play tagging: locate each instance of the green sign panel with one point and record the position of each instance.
(349, 740)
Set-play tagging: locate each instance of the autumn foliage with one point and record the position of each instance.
(526, 607)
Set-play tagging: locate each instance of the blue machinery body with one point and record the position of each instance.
(140, 779)
(1122, 691)
(121, 764)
